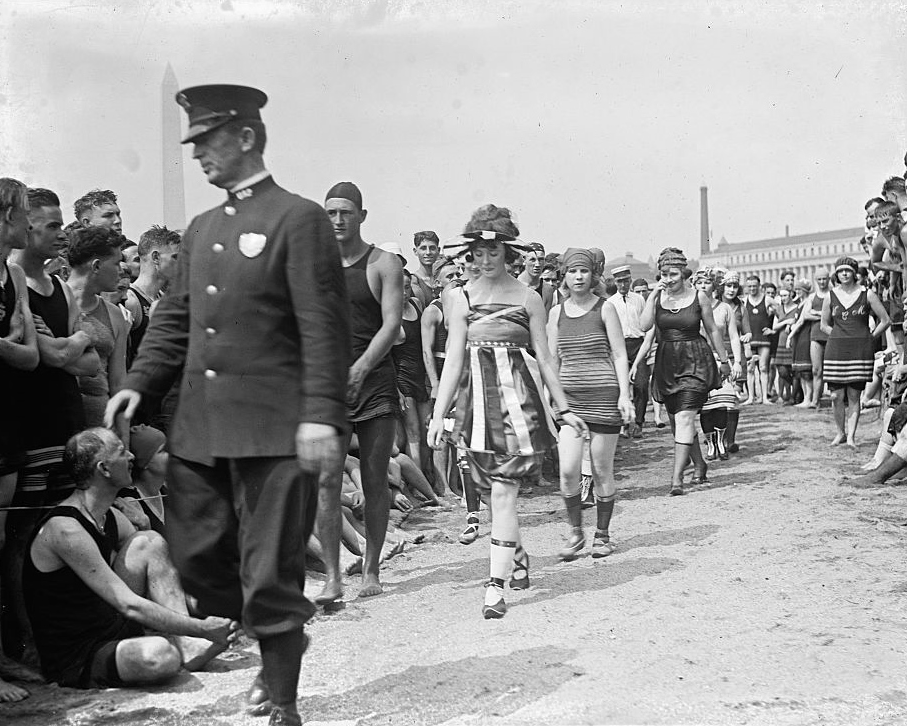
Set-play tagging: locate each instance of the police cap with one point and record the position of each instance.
(210, 107)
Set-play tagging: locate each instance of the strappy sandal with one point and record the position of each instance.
(573, 547)
(471, 533)
(520, 565)
(602, 547)
(498, 609)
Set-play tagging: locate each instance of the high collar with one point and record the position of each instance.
(249, 186)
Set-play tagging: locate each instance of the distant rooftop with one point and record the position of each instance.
(795, 239)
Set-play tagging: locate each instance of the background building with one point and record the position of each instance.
(767, 258)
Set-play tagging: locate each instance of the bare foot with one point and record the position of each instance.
(863, 482)
(10, 693)
(839, 439)
(331, 592)
(747, 402)
(198, 652)
(354, 567)
(871, 465)
(370, 586)
(851, 443)
(802, 404)
(15, 671)
(393, 546)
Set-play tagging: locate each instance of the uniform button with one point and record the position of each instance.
(211, 289)
(217, 247)
(210, 331)
(230, 211)
(209, 374)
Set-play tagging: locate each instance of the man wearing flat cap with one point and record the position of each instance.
(258, 314)
(629, 306)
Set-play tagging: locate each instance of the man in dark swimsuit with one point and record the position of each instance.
(52, 406)
(158, 248)
(374, 281)
(93, 584)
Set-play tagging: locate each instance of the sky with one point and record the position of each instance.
(596, 123)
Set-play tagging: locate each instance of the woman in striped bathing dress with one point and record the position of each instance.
(502, 416)
(847, 366)
(587, 343)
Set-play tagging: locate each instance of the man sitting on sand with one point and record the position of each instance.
(93, 584)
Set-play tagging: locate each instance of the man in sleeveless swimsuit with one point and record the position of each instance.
(93, 583)
(158, 248)
(257, 314)
(52, 405)
(98, 208)
(374, 282)
(426, 248)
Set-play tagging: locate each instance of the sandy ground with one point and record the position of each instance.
(772, 595)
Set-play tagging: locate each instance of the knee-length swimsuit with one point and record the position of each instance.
(685, 369)
(503, 419)
(848, 355)
(587, 372)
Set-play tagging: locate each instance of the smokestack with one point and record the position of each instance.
(171, 154)
(787, 230)
(704, 220)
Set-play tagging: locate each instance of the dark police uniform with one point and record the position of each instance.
(258, 313)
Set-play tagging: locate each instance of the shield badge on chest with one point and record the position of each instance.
(252, 243)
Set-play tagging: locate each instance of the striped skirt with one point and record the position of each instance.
(501, 406)
(848, 360)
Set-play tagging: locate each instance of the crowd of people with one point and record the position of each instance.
(193, 421)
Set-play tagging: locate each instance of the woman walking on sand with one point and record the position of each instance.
(685, 368)
(587, 344)
(502, 416)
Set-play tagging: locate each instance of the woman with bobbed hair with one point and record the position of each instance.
(847, 367)
(502, 416)
(685, 369)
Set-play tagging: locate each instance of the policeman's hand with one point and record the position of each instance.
(318, 447)
(133, 511)
(222, 631)
(435, 436)
(625, 406)
(354, 381)
(123, 402)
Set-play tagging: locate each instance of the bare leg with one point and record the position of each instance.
(817, 354)
(375, 442)
(328, 525)
(838, 398)
(144, 565)
(853, 415)
(8, 692)
(413, 477)
(765, 372)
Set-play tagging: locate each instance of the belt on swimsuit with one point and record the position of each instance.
(675, 335)
(491, 344)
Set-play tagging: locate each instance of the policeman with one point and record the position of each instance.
(258, 314)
